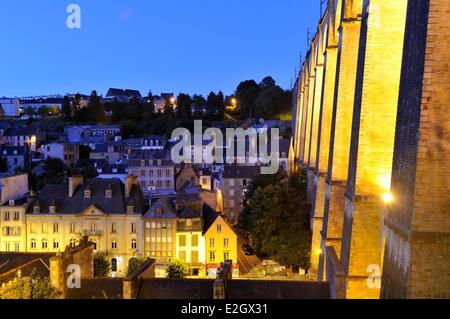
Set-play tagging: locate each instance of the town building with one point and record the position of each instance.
(107, 211)
(154, 170)
(160, 226)
(13, 186)
(122, 95)
(18, 158)
(22, 135)
(220, 242)
(230, 192)
(69, 153)
(10, 106)
(112, 152)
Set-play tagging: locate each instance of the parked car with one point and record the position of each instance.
(248, 250)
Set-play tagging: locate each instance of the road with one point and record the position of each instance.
(247, 264)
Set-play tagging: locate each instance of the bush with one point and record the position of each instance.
(102, 266)
(177, 270)
(134, 264)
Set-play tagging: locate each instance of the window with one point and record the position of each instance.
(194, 257)
(159, 173)
(44, 244)
(219, 228)
(211, 242)
(6, 216)
(133, 228)
(55, 244)
(73, 243)
(7, 247)
(33, 243)
(95, 244)
(72, 228)
(167, 184)
(204, 181)
(194, 240)
(55, 228)
(133, 244)
(16, 247)
(167, 172)
(226, 256)
(159, 211)
(113, 228)
(212, 256)
(142, 173)
(16, 216)
(44, 228)
(159, 184)
(226, 242)
(114, 244)
(182, 241)
(87, 194)
(114, 265)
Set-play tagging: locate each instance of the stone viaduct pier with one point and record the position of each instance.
(372, 130)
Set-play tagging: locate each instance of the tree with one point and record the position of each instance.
(177, 270)
(4, 166)
(273, 102)
(273, 213)
(102, 266)
(246, 94)
(55, 171)
(30, 111)
(134, 264)
(184, 105)
(267, 83)
(43, 110)
(66, 108)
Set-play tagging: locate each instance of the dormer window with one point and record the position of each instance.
(5, 152)
(11, 202)
(130, 209)
(52, 209)
(159, 211)
(108, 192)
(87, 193)
(36, 209)
(159, 162)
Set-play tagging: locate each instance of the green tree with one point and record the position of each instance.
(134, 264)
(43, 110)
(66, 108)
(267, 83)
(184, 105)
(102, 266)
(273, 102)
(177, 270)
(30, 111)
(273, 213)
(247, 93)
(55, 171)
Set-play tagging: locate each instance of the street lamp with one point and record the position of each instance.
(388, 198)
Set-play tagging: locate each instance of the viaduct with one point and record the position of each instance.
(372, 130)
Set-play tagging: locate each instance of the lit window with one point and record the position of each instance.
(219, 228)
(114, 244)
(44, 244)
(212, 256)
(73, 243)
(55, 244)
(33, 243)
(133, 244)
(211, 242)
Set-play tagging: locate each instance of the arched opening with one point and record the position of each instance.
(114, 265)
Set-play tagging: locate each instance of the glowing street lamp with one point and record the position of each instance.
(388, 198)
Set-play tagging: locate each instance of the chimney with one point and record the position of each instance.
(131, 180)
(74, 182)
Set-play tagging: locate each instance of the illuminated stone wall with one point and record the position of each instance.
(417, 255)
(372, 141)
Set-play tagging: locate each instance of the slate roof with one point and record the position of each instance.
(59, 194)
(36, 264)
(168, 210)
(21, 130)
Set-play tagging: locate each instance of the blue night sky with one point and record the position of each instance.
(191, 46)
